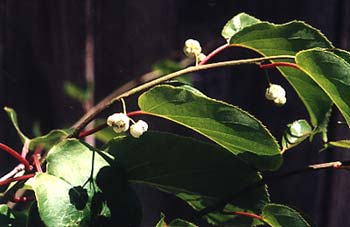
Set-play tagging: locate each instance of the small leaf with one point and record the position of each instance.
(296, 133)
(48, 140)
(77, 93)
(237, 23)
(277, 215)
(273, 39)
(225, 124)
(197, 172)
(161, 222)
(331, 73)
(340, 144)
(13, 116)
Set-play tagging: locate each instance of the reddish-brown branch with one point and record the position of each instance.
(255, 216)
(277, 64)
(16, 155)
(135, 113)
(36, 162)
(21, 178)
(214, 53)
(92, 131)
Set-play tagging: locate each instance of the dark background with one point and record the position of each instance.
(42, 44)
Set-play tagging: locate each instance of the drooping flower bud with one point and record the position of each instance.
(137, 129)
(119, 122)
(192, 48)
(276, 93)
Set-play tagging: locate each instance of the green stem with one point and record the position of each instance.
(162, 79)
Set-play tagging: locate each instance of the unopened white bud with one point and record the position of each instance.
(192, 48)
(201, 57)
(276, 93)
(280, 101)
(137, 129)
(119, 122)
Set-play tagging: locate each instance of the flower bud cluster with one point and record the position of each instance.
(193, 49)
(120, 123)
(277, 94)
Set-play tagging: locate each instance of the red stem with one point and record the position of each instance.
(92, 131)
(16, 155)
(213, 53)
(255, 216)
(24, 177)
(276, 64)
(36, 162)
(135, 113)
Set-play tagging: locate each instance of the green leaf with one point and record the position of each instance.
(13, 116)
(71, 160)
(340, 144)
(48, 140)
(271, 39)
(77, 93)
(175, 223)
(54, 204)
(296, 133)
(161, 222)
(331, 73)
(197, 172)
(277, 215)
(225, 124)
(6, 215)
(181, 223)
(237, 23)
(109, 194)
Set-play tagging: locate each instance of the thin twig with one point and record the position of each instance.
(102, 106)
(230, 198)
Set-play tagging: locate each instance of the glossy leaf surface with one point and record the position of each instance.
(277, 215)
(331, 73)
(225, 124)
(271, 39)
(197, 172)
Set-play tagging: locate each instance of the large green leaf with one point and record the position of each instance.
(108, 193)
(270, 39)
(277, 215)
(225, 124)
(331, 73)
(197, 172)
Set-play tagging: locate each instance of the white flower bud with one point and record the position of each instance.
(192, 48)
(277, 94)
(119, 122)
(201, 57)
(137, 129)
(280, 101)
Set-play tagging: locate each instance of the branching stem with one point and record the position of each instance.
(162, 79)
(16, 155)
(230, 198)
